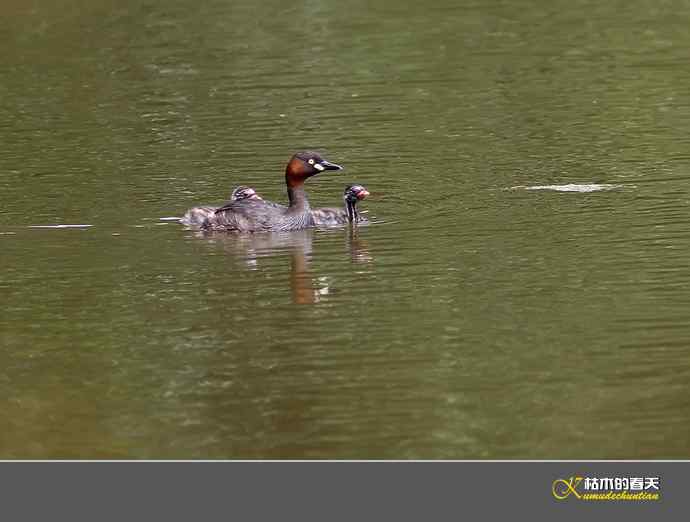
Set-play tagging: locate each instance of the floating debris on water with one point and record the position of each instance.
(60, 226)
(176, 219)
(572, 187)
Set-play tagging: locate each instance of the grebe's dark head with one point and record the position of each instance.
(304, 165)
(243, 192)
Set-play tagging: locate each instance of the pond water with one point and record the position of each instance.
(523, 290)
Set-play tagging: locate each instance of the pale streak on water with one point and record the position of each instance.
(60, 226)
(468, 321)
(572, 187)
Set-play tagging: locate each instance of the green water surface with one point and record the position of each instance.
(476, 317)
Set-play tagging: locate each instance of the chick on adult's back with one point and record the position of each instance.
(196, 216)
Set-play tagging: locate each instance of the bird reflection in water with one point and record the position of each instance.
(359, 253)
(250, 248)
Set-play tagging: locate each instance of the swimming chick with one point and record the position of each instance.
(340, 216)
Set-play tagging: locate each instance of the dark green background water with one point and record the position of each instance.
(471, 320)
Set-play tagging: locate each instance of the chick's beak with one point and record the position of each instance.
(362, 194)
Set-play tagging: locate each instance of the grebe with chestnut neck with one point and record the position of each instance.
(251, 215)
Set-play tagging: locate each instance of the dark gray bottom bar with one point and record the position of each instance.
(343, 491)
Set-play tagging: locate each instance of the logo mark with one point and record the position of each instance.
(562, 488)
(616, 488)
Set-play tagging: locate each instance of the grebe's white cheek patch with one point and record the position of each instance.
(318, 166)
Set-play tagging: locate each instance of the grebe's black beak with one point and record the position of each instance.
(327, 165)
